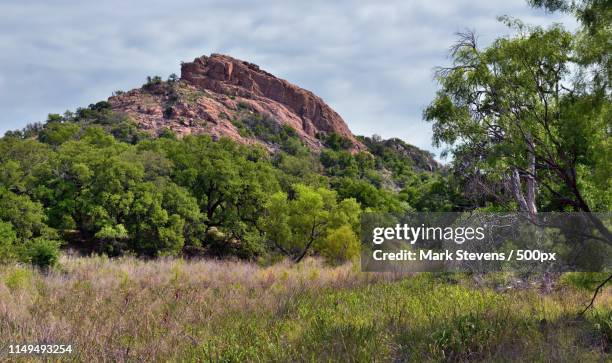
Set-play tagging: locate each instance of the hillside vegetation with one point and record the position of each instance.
(92, 181)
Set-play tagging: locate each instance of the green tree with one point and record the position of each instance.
(98, 184)
(26, 216)
(522, 113)
(56, 133)
(230, 182)
(340, 244)
(593, 37)
(41, 252)
(23, 163)
(311, 220)
(376, 199)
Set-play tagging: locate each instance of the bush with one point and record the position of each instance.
(7, 242)
(335, 141)
(583, 280)
(341, 244)
(18, 278)
(40, 252)
(152, 81)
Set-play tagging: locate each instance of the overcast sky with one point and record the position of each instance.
(371, 61)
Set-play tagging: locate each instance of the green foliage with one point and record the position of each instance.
(340, 244)
(22, 162)
(167, 134)
(268, 130)
(113, 239)
(368, 195)
(229, 181)
(583, 280)
(18, 278)
(152, 82)
(526, 105)
(56, 133)
(26, 216)
(339, 163)
(433, 193)
(110, 188)
(8, 237)
(313, 219)
(335, 141)
(41, 252)
(302, 168)
(400, 158)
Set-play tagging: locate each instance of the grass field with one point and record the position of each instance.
(173, 310)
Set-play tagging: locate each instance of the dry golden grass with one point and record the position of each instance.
(114, 310)
(173, 310)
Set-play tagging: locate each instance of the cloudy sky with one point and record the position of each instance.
(371, 61)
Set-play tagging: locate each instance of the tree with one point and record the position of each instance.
(26, 217)
(23, 232)
(340, 244)
(433, 193)
(120, 196)
(56, 133)
(517, 113)
(230, 182)
(593, 38)
(311, 220)
(368, 195)
(22, 163)
(593, 53)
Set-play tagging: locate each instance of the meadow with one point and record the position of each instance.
(126, 309)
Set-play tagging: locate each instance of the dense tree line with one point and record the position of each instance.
(91, 180)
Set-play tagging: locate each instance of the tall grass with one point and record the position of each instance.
(172, 310)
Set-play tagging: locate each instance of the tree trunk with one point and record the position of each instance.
(515, 187)
(531, 186)
(310, 241)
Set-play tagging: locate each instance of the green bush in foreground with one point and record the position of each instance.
(41, 252)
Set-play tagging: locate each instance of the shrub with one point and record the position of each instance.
(40, 252)
(113, 239)
(340, 245)
(7, 240)
(335, 141)
(152, 81)
(173, 78)
(18, 278)
(167, 134)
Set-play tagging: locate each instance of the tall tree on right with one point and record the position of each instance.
(528, 120)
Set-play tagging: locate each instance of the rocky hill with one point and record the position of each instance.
(226, 97)
(223, 96)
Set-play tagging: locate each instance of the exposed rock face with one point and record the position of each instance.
(215, 93)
